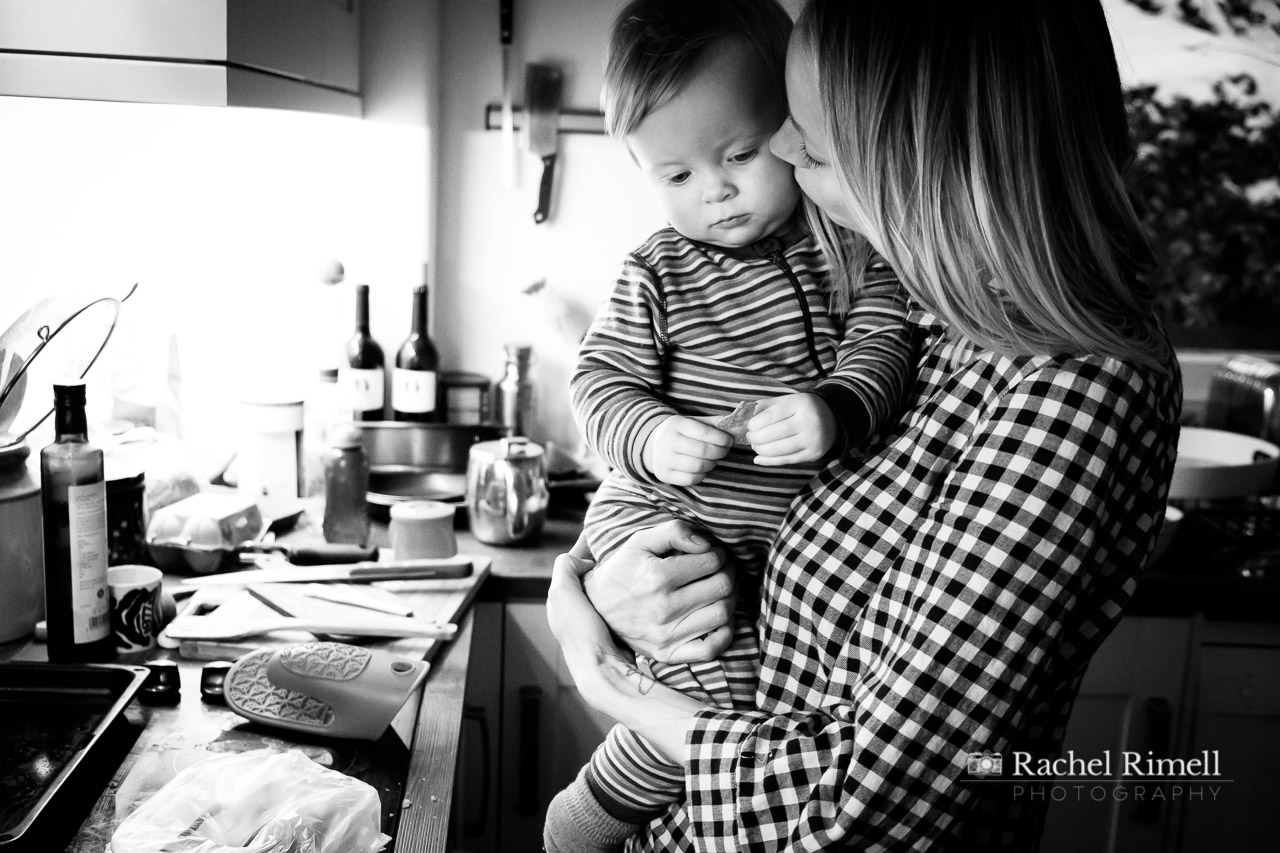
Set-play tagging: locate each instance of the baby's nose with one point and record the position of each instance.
(718, 188)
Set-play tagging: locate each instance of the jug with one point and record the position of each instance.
(506, 490)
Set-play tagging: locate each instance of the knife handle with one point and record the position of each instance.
(505, 20)
(324, 554)
(544, 189)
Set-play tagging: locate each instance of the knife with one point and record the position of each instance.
(542, 103)
(505, 30)
(423, 569)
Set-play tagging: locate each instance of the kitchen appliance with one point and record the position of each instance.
(542, 101)
(507, 491)
(1244, 397)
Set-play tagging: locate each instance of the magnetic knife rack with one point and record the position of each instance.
(569, 121)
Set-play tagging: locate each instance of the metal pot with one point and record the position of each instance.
(404, 446)
(507, 491)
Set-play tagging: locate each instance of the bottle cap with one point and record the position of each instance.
(347, 435)
(69, 392)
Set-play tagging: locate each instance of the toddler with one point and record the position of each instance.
(728, 306)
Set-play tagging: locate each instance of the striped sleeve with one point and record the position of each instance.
(615, 386)
(873, 360)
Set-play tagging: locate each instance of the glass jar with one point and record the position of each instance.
(346, 488)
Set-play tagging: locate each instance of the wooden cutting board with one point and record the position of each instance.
(432, 601)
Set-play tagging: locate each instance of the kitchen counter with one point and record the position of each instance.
(415, 771)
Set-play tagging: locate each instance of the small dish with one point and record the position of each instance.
(1214, 463)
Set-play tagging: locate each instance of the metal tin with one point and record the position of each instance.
(463, 397)
(507, 491)
(21, 545)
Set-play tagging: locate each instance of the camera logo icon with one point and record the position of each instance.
(985, 763)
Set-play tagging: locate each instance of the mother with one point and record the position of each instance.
(943, 594)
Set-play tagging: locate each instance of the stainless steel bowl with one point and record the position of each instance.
(403, 447)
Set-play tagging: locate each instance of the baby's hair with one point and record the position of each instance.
(655, 45)
(983, 144)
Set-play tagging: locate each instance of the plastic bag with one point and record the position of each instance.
(256, 802)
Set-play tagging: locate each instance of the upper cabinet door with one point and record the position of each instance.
(288, 54)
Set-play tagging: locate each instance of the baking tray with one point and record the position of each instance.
(52, 718)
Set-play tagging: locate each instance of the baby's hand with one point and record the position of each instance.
(680, 451)
(791, 429)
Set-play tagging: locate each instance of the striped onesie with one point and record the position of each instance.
(694, 329)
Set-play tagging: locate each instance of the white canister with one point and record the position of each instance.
(421, 529)
(21, 545)
(269, 461)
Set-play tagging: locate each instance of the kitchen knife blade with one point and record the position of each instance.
(423, 569)
(506, 23)
(542, 104)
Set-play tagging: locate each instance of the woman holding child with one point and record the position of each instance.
(940, 591)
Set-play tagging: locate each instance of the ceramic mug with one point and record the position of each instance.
(135, 607)
(422, 529)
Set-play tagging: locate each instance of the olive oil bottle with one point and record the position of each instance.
(73, 495)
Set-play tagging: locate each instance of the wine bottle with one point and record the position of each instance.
(413, 385)
(73, 493)
(361, 382)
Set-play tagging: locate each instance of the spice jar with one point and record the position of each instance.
(346, 488)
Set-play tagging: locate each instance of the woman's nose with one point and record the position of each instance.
(781, 143)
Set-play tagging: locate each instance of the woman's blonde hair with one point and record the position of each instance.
(984, 142)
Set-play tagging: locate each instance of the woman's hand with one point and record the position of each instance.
(606, 675)
(666, 594)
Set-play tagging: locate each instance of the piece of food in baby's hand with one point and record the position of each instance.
(735, 423)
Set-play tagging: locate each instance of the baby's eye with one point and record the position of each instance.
(677, 180)
(744, 157)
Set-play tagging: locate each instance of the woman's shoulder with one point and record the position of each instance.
(1104, 388)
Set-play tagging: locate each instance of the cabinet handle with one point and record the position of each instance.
(1159, 714)
(530, 726)
(476, 714)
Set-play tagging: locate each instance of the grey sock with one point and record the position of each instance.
(577, 823)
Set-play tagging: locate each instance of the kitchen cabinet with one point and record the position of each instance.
(1132, 699)
(526, 730)
(1237, 713)
(292, 54)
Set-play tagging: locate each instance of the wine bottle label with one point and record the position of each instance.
(90, 603)
(361, 390)
(413, 390)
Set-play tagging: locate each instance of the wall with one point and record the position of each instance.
(490, 249)
(226, 219)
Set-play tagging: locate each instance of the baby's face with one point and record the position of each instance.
(706, 153)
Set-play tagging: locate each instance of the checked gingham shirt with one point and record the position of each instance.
(940, 596)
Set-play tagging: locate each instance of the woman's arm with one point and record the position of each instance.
(606, 674)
